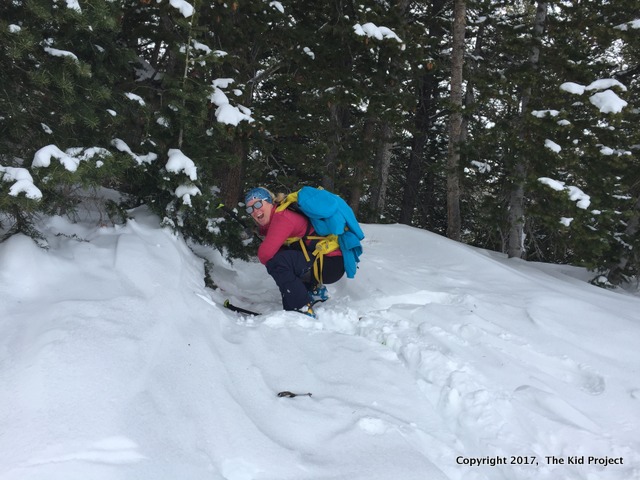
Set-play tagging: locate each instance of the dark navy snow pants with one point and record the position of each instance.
(294, 276)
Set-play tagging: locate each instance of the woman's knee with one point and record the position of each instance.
(288, 261)
(332, 270)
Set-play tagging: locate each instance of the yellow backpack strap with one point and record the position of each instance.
(304, 249)
(317, 268)
(325, 245)
(288, 200)
(291, 240)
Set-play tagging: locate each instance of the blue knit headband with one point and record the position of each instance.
(259, 193)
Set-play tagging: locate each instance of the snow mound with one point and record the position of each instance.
(437, 361)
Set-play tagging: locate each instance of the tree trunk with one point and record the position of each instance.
(336, 114)
(516, 215)
(412, 182)
(455, 126)
(414, 170)
(616, 273)
(232, 177)
(515, 242)
(431, 202)
(427, 90)
(361, 164)
(469, 95)
(383, 164)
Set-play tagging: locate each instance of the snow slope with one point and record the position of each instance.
(437, 361)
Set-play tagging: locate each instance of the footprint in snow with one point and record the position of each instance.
(579, 374)
(373, 426)
(413, 300)
(553, 408)
(590, 381)
(563, 368)
(239, 469)
(116, 450)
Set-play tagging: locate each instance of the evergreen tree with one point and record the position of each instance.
(599, 158)
(181, 106)
(426, 146)
(58, 65)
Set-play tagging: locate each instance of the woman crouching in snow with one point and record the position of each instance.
(281, 252)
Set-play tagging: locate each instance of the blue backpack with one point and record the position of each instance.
(335, 225)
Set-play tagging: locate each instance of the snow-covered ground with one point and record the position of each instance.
(438, 361)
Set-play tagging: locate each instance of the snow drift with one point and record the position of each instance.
(437, 361)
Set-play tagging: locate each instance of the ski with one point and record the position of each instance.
(230, 306)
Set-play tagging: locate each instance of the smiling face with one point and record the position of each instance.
(262, 215)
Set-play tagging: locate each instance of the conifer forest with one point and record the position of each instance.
(506, 125)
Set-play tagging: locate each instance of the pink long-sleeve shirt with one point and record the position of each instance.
(283, 225)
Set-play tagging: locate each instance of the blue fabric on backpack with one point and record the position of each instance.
(330, 214)
(351, 250)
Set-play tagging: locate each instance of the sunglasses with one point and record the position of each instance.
(255, 206)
